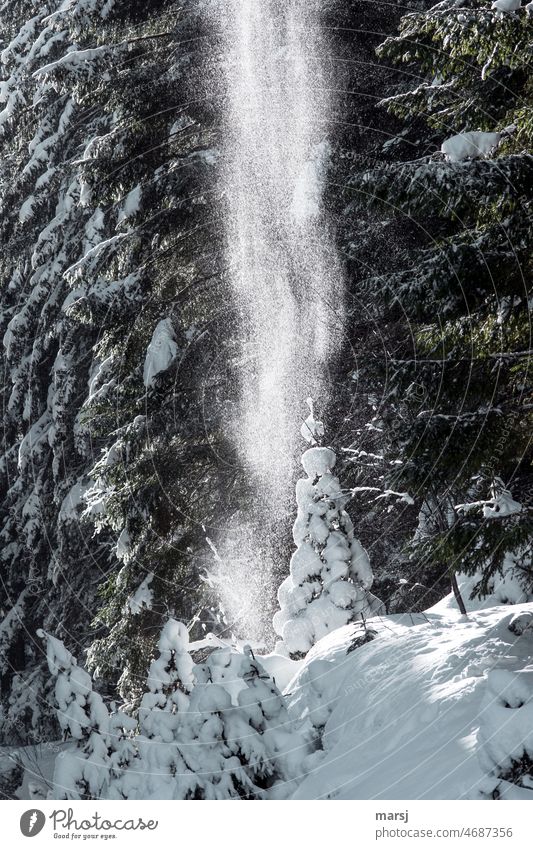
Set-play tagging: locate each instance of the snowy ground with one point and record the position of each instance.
(422, 712)
(426, 710)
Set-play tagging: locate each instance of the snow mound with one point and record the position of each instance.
(438, 706)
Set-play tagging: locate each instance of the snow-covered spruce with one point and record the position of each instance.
(237, 736)
(86, 223)
(330, 573)
(158, 770)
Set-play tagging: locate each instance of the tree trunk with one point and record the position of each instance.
(458, 596)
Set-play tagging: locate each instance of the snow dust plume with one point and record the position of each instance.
(283, 272)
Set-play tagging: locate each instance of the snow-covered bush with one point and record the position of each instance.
(217, 730)
(330, 572)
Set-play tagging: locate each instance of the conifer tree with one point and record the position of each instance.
(330, 572)
(159, 769)
(45, 354)
(243, 740)
(454, 417)
(109, 318)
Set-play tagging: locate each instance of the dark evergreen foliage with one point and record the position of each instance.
(453, 415)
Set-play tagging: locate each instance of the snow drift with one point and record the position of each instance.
(438, 706)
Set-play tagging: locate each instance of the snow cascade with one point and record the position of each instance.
(284, 274)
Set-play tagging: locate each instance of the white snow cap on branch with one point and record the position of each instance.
(503, 504)
(162, 351)
(506, 5)
(75, 59)
(500, 505)
(123, 549)
(78, 7)
(473, 145)
(131, 205)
